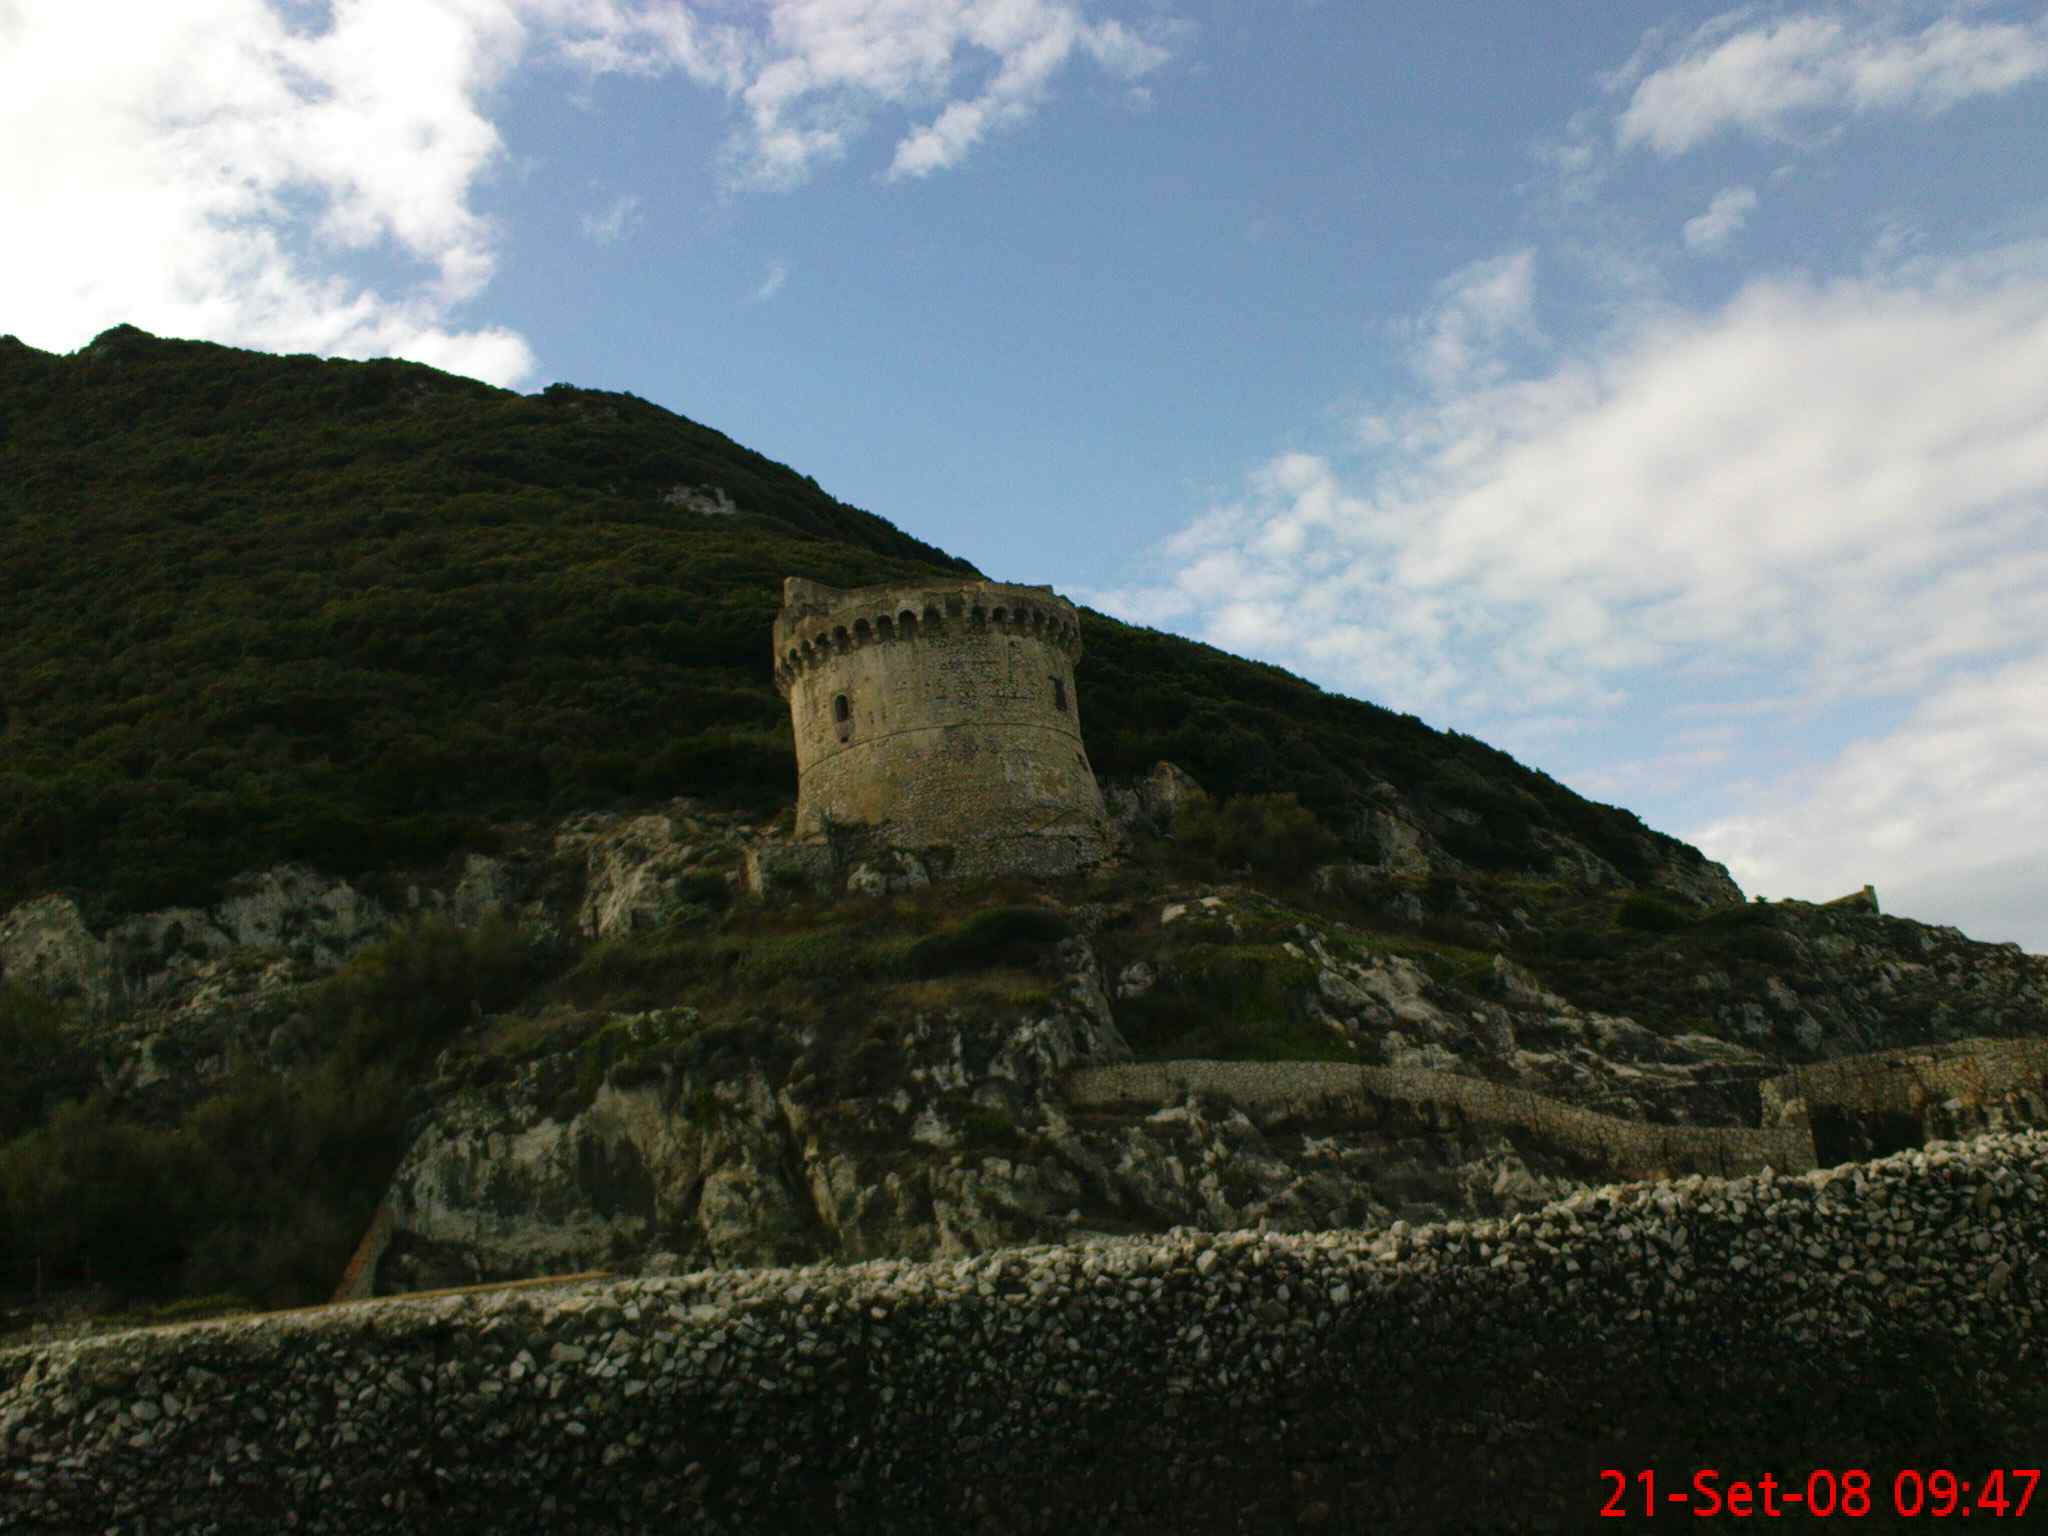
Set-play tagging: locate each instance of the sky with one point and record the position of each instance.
(1658, 392)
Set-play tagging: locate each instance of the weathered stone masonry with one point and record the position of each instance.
(941, 719)
(1903, 1084)
(1465, 1376)
(1627, 1149)
(1906, 1081)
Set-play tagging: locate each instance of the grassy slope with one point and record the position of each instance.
(256, 608)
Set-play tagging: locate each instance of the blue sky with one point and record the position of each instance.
(1657, 392)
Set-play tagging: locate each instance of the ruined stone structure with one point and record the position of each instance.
(940, 719)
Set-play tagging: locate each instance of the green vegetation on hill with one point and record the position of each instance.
(255, 608)
(1243, 727)
(264, 1186)
(258, 608)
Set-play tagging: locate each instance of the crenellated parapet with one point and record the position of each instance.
(818, 622)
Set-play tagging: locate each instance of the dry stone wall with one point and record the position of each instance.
(1468, 1376)
(1628, 1149)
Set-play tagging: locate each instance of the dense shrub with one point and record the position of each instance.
(1646, 914)
(1571, 943)
(89, 1197)
(265, 1186)
(1766, 944)
(398, 1000)
(41, 1065)
(1755, 914)
(1274, 834)
(992, 937)
(705, 887)
(287, 1173)
(1232, 1001)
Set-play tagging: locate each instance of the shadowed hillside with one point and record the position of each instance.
(382, 753)
(260, 608)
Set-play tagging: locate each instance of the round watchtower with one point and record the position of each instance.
(941, 718)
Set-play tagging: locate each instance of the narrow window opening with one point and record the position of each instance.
(841, 710)
(1059, 695)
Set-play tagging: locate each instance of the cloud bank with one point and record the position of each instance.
(208, 168)
(1823, 490)
(226, 169)
(1773, 78)
(1852, 471)
(1778, 551)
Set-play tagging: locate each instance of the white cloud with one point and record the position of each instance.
(219, 168)
(808, 74)
(1479, 307)
(1764, 77)
(205, 169)
(1940, 805)
(624, 215)
(771, 284)
(1822, 491)
(1033, 42)
(1725, 215)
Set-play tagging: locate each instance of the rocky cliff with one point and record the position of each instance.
(701, 1077)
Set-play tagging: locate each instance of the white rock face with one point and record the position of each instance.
(1402, 851)
(170, 997)
(962, 1140)
(166, 958)
(632, 870)
(1151, 804)
(739, 1169)
(44, 943)
(290, 903)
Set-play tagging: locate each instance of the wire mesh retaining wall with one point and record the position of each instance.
(1907, 1080)
(1629, 1148)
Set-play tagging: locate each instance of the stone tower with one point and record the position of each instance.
(940, 718)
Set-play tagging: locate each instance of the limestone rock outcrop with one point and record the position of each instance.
(940, 1126)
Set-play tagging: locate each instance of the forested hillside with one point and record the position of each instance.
(257, 608)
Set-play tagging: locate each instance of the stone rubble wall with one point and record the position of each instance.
(1470, 1374)
(1311, 1090)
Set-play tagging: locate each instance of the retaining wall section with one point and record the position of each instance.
(1629, 1149)
(1470, 1376)
(1905, 1082)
